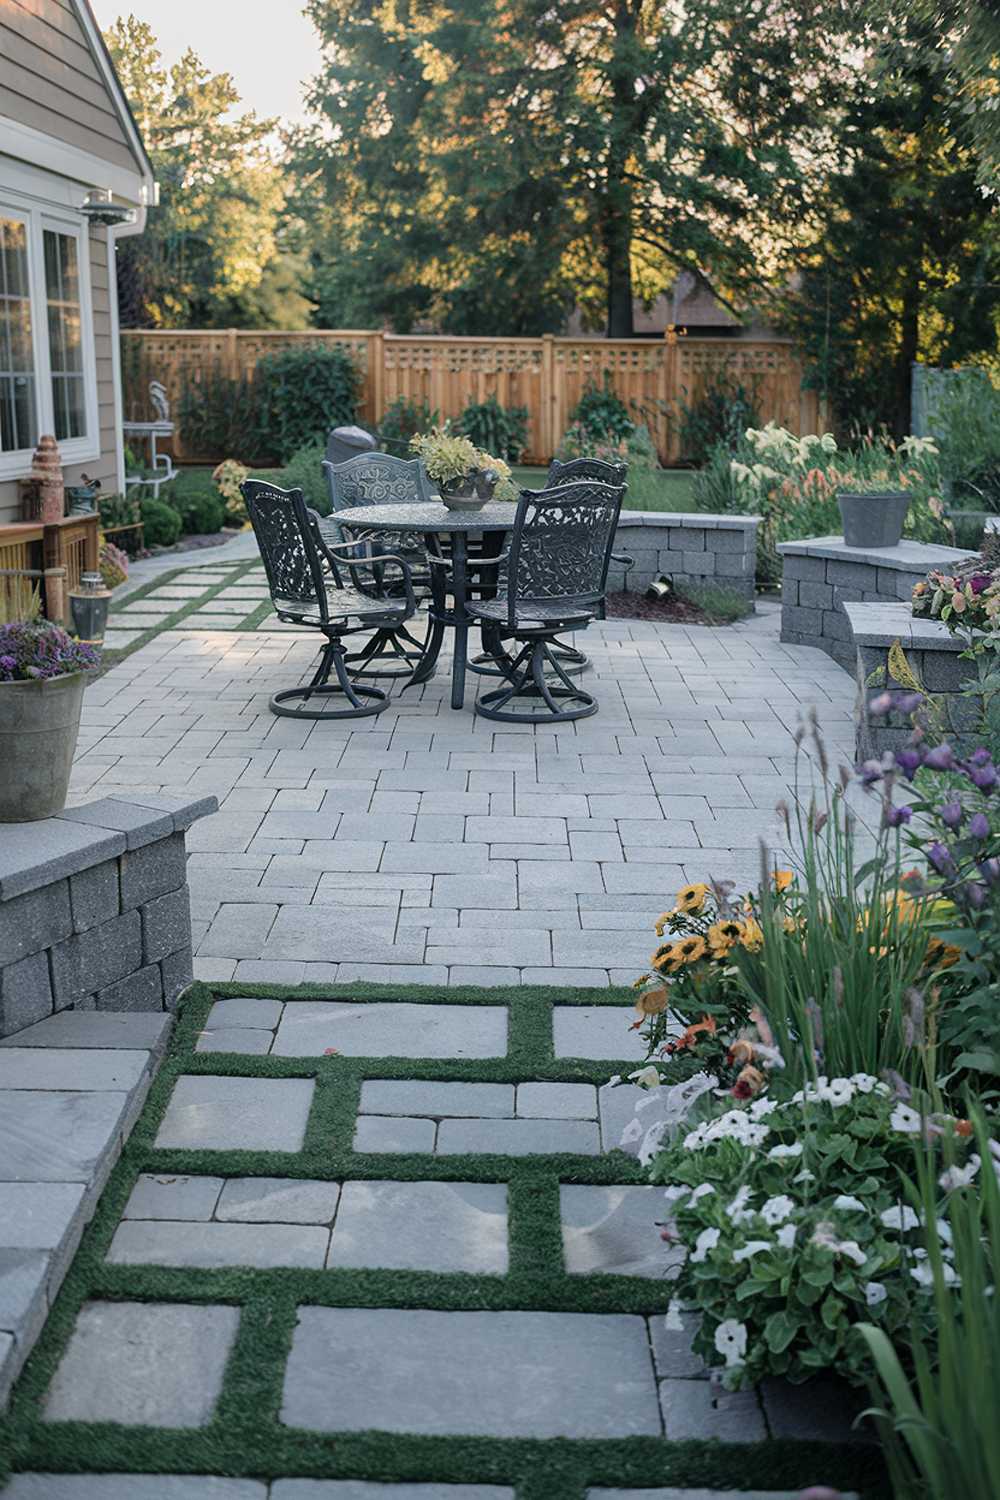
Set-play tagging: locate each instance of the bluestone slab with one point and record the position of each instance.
(57, 1137)
(383, 1096)
(132, 1487)
(498, 1374)
(556, 1101)
(173, 1197)
(375, 1029)
(278, 1200)
(519, 1137)
(208, 1112)
(596, 1031)
(360, 1489)
(77, 1028)
(96, 1069)
(422, 1226)
(161, 1242)
(612, 1229)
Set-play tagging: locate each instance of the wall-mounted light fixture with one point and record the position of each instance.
(99, 207)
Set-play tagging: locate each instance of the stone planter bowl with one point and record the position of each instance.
(874, 520)
(39, 723)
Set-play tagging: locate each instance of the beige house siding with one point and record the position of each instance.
(50, 80)
(65, 136)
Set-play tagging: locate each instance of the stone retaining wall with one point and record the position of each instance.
(691, 549)
(932, 654)
(822, 575)
(94, 909)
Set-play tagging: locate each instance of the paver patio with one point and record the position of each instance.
(428, 845)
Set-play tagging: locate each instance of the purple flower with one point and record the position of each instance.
(940, 858)
(978, 582)
(895, 817)
(870, 772)
(979, 826)
(908, 703)
(973, 894)
(951, 814)
(35, 651)
(883, 704)
(980, 757)
(990, 871)
(983, 777)
(941, 758)
(909, 760)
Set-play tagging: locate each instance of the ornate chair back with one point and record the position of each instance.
(585, 468)
(561, 544)
(376, 479)
(292, 561)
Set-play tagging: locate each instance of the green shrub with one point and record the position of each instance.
(502, 431)
(722, 414)
(303, 472)
(117, 510)
(966, 425)
(202, 514)
(403, 419)
(601, 413)
(161, 523)
(217, 414)
(300, 394)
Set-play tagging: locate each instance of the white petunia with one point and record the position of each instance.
(786, 1236)
(737, 1211)
(875, 1293)
(923, 1274)
(900, 1216)
(673, 1322)
(776, 1210)
(750, 1249)
(646, 1078)
(849, 1205)
(761, 1108)
(905, 1120)
(825, 1236)
(837, 1092)
(779, 1153)
(959, 1177)
(804, 1176)
(702, 1191)
(706, 1241)
(675, 1192)
(864, 1082)
(611, 1083)
(731, 1341)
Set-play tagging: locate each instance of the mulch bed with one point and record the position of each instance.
(674, 610)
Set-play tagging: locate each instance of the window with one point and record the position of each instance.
(47, 362)
(17, 364)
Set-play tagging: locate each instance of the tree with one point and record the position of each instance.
(212, 252)
(905, 263)
(487, 163)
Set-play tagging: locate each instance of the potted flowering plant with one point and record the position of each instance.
(466, 476)
(42, 676)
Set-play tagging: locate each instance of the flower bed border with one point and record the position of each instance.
(246, 1437)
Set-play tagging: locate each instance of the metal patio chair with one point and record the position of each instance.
(381, 479)
(306, 588)
(556, 575)
(591, 468)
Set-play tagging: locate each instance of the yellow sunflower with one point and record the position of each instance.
(722, 935)
(691, 898)
(666, 960)
(941, 955)
(752, 938)
(661, 922)
(690, 949)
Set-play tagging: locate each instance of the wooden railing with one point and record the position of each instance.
(654, 377)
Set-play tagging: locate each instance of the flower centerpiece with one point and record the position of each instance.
(42, 676)
(466, 476)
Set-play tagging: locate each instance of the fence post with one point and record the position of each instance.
(232, 353)
(375, 377)
(546, 439)
(668, 392)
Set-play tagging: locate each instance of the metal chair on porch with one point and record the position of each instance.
(306, 589)
(556, 575)
(381, 479)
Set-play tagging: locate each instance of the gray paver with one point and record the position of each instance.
(381, 1096)
(259, 1014)
(57, 1137)
(138, 1242)
(235, 1039)
(502, 1374)
(518, 1137)
(357, 1029)
(278, 1200)
(612, 1229)
(700, 1409)
(173, 1197)
(360, 1489)
(232, 1114)
(557, 1101)
(37, 1215)
(132, 1487)
(422, 1226)
(398, 1133)
(143, 1364)
(66, 1068)
(596, 1031)
(80, 1028)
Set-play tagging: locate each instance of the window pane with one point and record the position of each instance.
(62, 291)
(18, 428)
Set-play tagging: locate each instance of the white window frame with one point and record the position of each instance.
(37, 217)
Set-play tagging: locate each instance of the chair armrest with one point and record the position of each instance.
(375, 562)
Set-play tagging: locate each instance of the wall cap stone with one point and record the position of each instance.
(881, 624)
(37, 854)
(693, 520)
(906, 557)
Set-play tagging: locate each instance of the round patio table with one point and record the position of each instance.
(457, 573)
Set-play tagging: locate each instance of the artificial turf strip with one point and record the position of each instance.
(246, 1437)
(114, 655)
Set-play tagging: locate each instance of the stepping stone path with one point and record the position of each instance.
(475, 1286)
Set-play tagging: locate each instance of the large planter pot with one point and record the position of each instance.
(874, 520)
(39, 723)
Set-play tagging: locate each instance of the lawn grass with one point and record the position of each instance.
(664, 489)
(246, 1436)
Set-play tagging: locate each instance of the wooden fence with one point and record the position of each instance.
(654, 377)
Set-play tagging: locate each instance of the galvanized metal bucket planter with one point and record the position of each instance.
(874, 520)
(39, 724)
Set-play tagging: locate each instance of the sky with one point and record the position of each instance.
(268, 45)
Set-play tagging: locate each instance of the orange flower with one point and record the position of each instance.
(690, 1036)
(782, 880)
(740, 1053)
(652, 1002)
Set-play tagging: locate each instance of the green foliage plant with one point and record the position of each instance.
(304, 472)
(601, 413)
(502, 430)
(202, 513)
(965, 423)
(448, 456)
(299, 394)
(403, 419)
(161, 524)
(217, 413)
(937, 1407)
(723, 606)
(720, 415)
